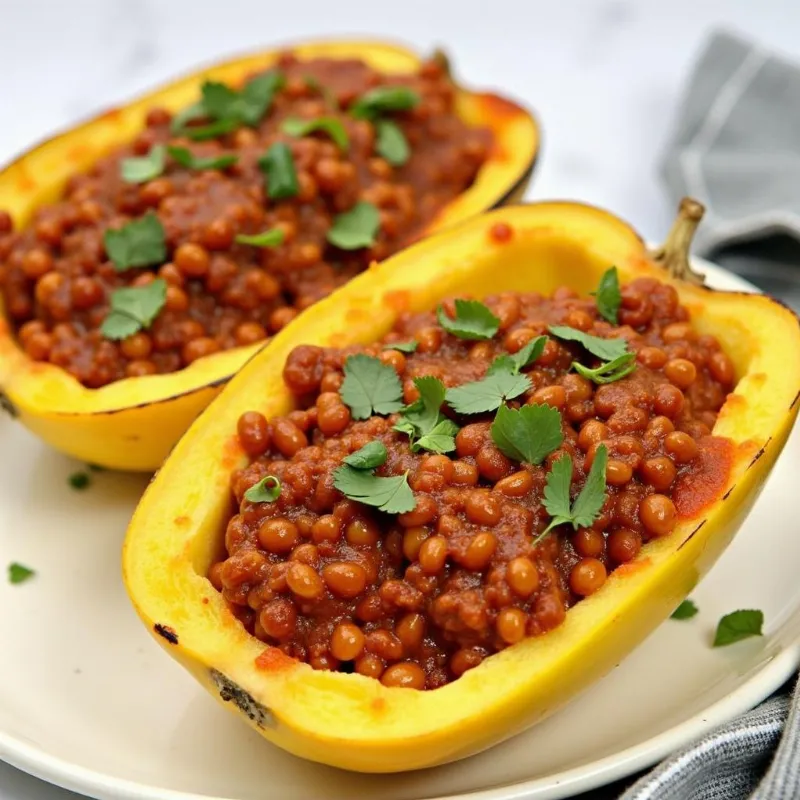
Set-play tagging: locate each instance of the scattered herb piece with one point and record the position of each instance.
(140, 243)
(588, 503)
(294, 126)
(686, 610)
(19, 573)
(270, 238)
(608, 371)
(267, 490)
(527, 434)
(488, 393)
(186, 158)
(391, 143)
(529, 353)
(330, 97)
(423, 421)
(228, 109)
(144, 168)
(605, 349)
(392, 495)
(473, 320)
(370, 386)
(404, 347)
(383, 99)
(79, 480)
(739, 625)
(277, 165)
(371, 455)
(134, 308)
(355, 228)
(608, 296)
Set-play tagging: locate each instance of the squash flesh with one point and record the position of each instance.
(355, 722)
(110, 426)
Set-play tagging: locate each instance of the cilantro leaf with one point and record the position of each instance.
(686, 610)
(403, 347)
(19, 573)
(473, 320)
(528, 434)
(383, 99)
(294, 126)
(267, 490)
(258, 94)
(134, 308)
(355, 228)
(739, 625)
(490, 392)
(144, 168)
(370, 386)
(391, 143)
(371, 455)
(79, 480)
(423, 419)
(608, 371)
(186, 158)
(529, 353)
(589, 501)
(270, 238)
(327, 95)
(440, 439)
(392, 495)
(608, 296)
(140, 243)
(277, 164)
(605, 349)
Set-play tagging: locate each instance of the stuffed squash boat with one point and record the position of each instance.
(147, 254)
(448, 498)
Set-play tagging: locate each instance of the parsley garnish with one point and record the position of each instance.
(267, 490)
(294, 126)
(134, 308)
(392, 495)
(423, 422)
(19, 573)
(588, 503)
(383, 99)
(371, 455)
(270, 238)
(619, 361)
(228, 109)
(140, 243)
(686, 610)
(391, 143)
(473, 320)
(186, 158)
(277, 165)
(79, 480)
(608, 296)
(355, 228)
(528, 434)
(370, 386)
(502, 382)
(739, 625)
(404, 347)
(144, 168)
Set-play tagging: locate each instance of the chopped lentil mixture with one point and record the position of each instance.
(321, 165)
(488, 547)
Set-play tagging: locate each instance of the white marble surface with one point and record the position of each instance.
(603, 76)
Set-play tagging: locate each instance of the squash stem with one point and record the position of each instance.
(673, 255)
(443, 60)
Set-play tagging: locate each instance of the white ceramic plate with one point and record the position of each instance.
(88, 701)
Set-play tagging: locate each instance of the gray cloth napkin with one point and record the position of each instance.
(736, 148)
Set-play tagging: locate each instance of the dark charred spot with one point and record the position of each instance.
(8, 406)
(233, 693)
(691, 535)
(728, 493)
(794, 402)
(760, 452)
(167, 632)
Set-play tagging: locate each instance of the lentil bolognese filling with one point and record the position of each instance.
(216, 226)
(457, 487)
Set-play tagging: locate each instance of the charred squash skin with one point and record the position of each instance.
(132, 424)
(355, 722)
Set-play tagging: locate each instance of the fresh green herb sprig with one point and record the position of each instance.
(424, 424)
(370, 387)
(608, 296)
(267, 490)
(686, 610)
(277, 165)
(186, 158)
(334, 128)
(355, 228)
(618, 360)
(739, 625)
(134, 308)
(140, 243)
(140, 169)
(473, 321)
(19, 573)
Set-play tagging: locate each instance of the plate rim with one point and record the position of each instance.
(65, 774)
